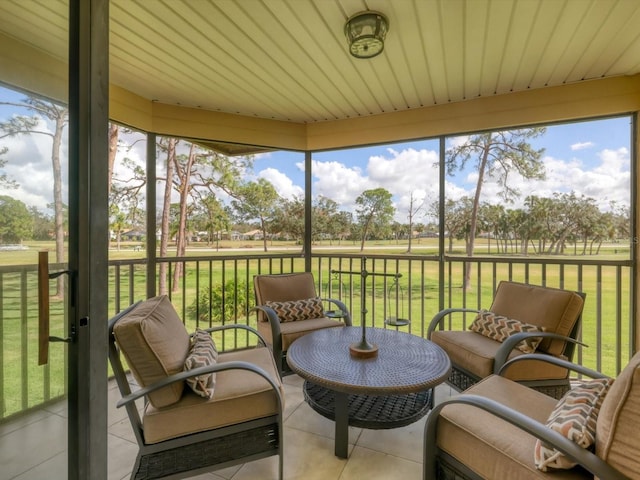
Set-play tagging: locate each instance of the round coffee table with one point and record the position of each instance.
(388, 391)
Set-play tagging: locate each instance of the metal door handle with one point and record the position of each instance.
(60, 339)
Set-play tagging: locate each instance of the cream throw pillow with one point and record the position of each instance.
(575, 417)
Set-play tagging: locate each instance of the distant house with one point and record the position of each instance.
(133, 235)
(253, 235)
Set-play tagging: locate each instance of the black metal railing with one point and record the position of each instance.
(210, 290)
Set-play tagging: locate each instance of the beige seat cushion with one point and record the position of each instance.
(290, 331)
(491, 447)
(155, 344)
(284, 287)
(475, 353)
(617, 438)
(554, 309)
(239, 396)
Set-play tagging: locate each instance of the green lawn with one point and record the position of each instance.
(605, 325)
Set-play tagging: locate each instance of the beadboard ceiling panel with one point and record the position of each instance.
(288, 59)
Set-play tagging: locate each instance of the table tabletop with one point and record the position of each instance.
(405, 363)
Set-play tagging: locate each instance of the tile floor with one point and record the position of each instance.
(33, 447)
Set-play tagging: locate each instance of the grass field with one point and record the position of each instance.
(606, 318)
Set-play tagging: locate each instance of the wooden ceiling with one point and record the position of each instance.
(288, 59)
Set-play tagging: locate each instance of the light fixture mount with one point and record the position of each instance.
(365, 32)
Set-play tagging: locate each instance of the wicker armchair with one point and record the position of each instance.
(286, 306)
(491, 430)
(475, 356)
(181, 433)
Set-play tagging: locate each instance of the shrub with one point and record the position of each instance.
(218, 304)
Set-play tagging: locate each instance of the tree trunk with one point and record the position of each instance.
(181, 237)
(164, 224)
(57, 199)
(264, 233)
(466, 286)
(113, 149)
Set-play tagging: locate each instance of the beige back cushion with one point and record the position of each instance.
(283, 288)
(554, 309)
(617, 438)
(155, 344)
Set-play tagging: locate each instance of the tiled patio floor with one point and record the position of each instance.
(34, 447)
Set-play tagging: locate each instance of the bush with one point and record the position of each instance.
(218, 304)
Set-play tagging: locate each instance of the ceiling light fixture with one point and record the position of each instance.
(365, 33)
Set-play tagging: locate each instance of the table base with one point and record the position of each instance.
(371, 411)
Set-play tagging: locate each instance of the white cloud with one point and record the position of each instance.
(338, 182)
(29, 164)
(283, 184)
(582, 145)
(400, 172)
(608, 181)
(453, 142)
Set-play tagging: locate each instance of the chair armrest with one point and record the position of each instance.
(584, 457)
(273, 320)
(237, 326)
(346, 316)
(555, 361)
(182, 376)
(443, 313)
(510, 343)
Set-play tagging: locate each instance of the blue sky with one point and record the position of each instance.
(590, 158)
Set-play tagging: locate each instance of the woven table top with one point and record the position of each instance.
(405, 363)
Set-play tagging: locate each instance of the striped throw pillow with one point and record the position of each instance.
(575, 417)
(500, 328)
(202, 353)
(298, 309)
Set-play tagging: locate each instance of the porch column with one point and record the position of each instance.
(151, 215)
(635, 240)
(307, 211)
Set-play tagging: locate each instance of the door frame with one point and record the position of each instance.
(88, 238)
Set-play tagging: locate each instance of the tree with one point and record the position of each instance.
(496, 155)
(5, 181)
(169, 146)
(257, 201)
(183, 166)
(493, 225)
(114, 131)
(340, 224)
(374, 210)
(193, 175)
(322, 215)
(117, 223)
(16, 223)
(288, 218)
(20, 125)
(457, 216)
(42, 224)
(415, 205)
(213, 218)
